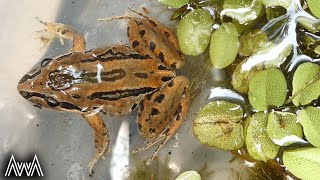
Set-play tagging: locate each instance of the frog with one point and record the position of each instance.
(115, 80)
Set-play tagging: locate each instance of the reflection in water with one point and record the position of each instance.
(120, 153)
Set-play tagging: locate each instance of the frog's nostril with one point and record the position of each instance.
(24, 79)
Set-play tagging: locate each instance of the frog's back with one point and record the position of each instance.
(113, 78)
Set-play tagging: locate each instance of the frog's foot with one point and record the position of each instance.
(62, 31)
(161, 115)
(101, 137)
(148, 145)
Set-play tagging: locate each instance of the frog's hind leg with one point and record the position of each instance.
(161, 115)
(101, 137)
(63, 31)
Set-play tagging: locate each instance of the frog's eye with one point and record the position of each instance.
(61, 80)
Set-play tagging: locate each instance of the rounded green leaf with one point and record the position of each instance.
(243, 11)
(189, 175)
(273, 3)
(267, 88)
(224, 45)
(303, 163)
(283, 128)
(314, 7)
(306, 83)
(218, 125)
(252, 42)
(310, 121)
(174, 3)
(312, 25)
(194, 31)
(241, 78)
(258, 143)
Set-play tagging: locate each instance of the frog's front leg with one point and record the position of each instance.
(101, 136)
(161, 115)
(67, 32)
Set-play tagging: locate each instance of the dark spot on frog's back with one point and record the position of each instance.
(142, 32)
(154, 111)
(161, 57)
(161, 67)
(141, 75)
(166, 78)
(160, 98)
(152, 130)
(133, 107)
(153, 23)
(135, 43)
(76, 96)
(166, 34)
(152, 46)
(69, 106)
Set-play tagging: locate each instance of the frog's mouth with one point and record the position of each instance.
(41, 100)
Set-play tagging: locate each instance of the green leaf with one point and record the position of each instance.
(219, 57)
(314, 7)
(304, 163)
(243, 11)
(306, 83)
(283, 128)
(194, 31)
(258, 143)
(189, 175)
(274, 12)
(309, 119)
(241, 78)
(252, 42)
(317, 50)
(273, 3)
(174, 3)
(267, 88)
(312, 25)
(218, 125)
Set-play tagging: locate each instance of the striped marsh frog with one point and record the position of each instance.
(115, 79)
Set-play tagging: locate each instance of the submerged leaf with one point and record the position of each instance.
(304, 163)
(306, 83)
(252, 42)
(174, 3)
(273, 3)
(313, 25)
(283, 128)
(243, 11)
(314, 7)
(194, 31)
(218, 125)
(309, 119)
(267, 88)
(189, 175)
(258, 143)
(224, 45)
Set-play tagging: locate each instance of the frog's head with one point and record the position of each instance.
(45, 87)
